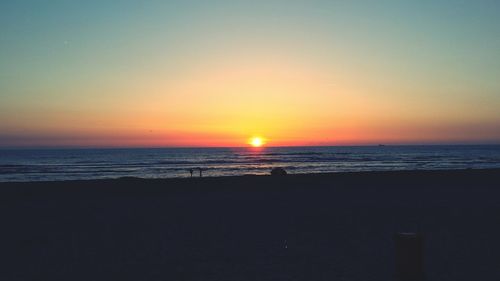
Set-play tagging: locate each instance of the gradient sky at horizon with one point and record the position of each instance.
(215, 73)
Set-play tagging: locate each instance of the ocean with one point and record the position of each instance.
(73, 164)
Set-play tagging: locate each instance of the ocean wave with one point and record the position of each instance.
(81, 164)
(293, 153)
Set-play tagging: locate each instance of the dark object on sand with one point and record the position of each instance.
(409, 256)
(278, 172)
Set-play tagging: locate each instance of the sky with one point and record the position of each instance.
(216, 73)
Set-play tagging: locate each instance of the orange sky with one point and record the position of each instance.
(216, 75)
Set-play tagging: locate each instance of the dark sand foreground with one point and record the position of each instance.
(298, 227)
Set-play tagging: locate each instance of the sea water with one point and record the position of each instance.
(69, 164)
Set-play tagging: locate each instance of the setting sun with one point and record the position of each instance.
(256, 141)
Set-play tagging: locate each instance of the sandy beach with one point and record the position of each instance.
(296, 227)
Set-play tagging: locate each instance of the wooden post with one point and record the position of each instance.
(409, 256)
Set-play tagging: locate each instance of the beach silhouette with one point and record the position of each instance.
(297, 227)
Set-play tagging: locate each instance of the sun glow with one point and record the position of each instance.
(257, 142)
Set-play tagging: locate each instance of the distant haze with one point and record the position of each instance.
(215, 73)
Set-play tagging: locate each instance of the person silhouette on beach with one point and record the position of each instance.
(200, 172)
(191, 172)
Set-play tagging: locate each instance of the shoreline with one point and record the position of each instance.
(248, 176)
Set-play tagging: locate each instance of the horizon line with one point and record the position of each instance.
(239, 147)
